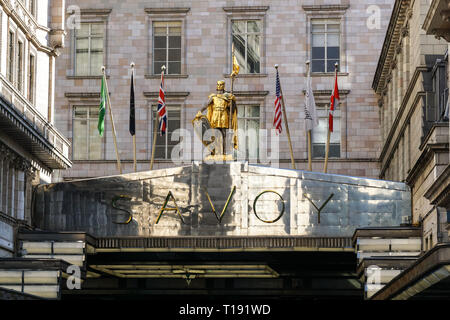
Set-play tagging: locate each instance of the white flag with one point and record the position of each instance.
(311, 119)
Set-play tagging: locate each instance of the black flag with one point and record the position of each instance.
(132, 110)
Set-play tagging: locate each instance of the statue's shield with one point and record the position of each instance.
(201, 125)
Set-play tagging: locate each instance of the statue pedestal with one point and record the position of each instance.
(220, 157)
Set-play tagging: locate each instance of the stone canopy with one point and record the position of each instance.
(231, 199)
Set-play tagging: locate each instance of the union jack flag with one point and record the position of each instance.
(277, 117)
(162, 110)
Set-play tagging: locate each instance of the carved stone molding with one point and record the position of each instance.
(405, 31)
(442, 33)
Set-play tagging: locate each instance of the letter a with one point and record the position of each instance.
(169, 209)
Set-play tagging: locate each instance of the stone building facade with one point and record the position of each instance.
(31, 35)
(412, 83)
(194, 40)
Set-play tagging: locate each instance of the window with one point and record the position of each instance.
(167, 47)
(325, 49)
(89, 48)
(248, 121)
(31, 77)
(319, 133)
(246, 37)
(164, 143)
(20, 66)
(11, 56)
(87, 143)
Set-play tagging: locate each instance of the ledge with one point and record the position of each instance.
(168, 94)
(328, 74)
(251, 93)
(326, 7)
(92, 12)
(386, 232)
(83, 95)
(247, 75)
(166, 76)
(327, 92)
(242, 9)
(166, 10)
(86, 77)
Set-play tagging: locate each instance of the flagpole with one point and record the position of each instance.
(286, 124)
(112, 120)
(163, 68)
(327, 149)
(309, 131)
(134, 135)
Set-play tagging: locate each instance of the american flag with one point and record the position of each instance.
(334, 103)
(162, 110)
(277, 118)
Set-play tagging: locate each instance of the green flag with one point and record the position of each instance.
(102, 109)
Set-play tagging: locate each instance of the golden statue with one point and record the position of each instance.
(218, 113)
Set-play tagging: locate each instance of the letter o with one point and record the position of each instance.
(282, 210)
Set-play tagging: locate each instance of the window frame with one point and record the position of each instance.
(90, 16)
(166, 62)
(246, 34)
(20, 65)
(89, 106)
(166, 15)
(31, 81)
(326, 23)
(328, 12)
(246, 13)
(10, 55)
(90, 37)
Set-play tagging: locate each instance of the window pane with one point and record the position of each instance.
(318, 66)
(253, 112)
(318, 40)
(241, 112)
(96, 63)
(319, 134)
(330, 65)
(82, 44)
(253, 54)
(97, 29)
(253, 26)
(332, 40)
(97, 44)
(238, 26)
(174, 42)
(318, 53)
(82, 63)
(252, 145)
(80, 113)
(160, 31)
(332, 52)
(175, 55)
(174, 68)
(333, 27)
(157, 67)
(79, 139)
(159, 42)
(318, 27)
(175, 30)
(159, 55)
(95, 146)
(83, 31)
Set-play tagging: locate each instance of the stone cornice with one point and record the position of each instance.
(399, 14)
(177, 10)
(332, 7)
(168, 94)
(245, 9)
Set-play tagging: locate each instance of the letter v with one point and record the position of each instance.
(226, 204)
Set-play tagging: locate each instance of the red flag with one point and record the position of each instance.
(162, 112)
(334, 102)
